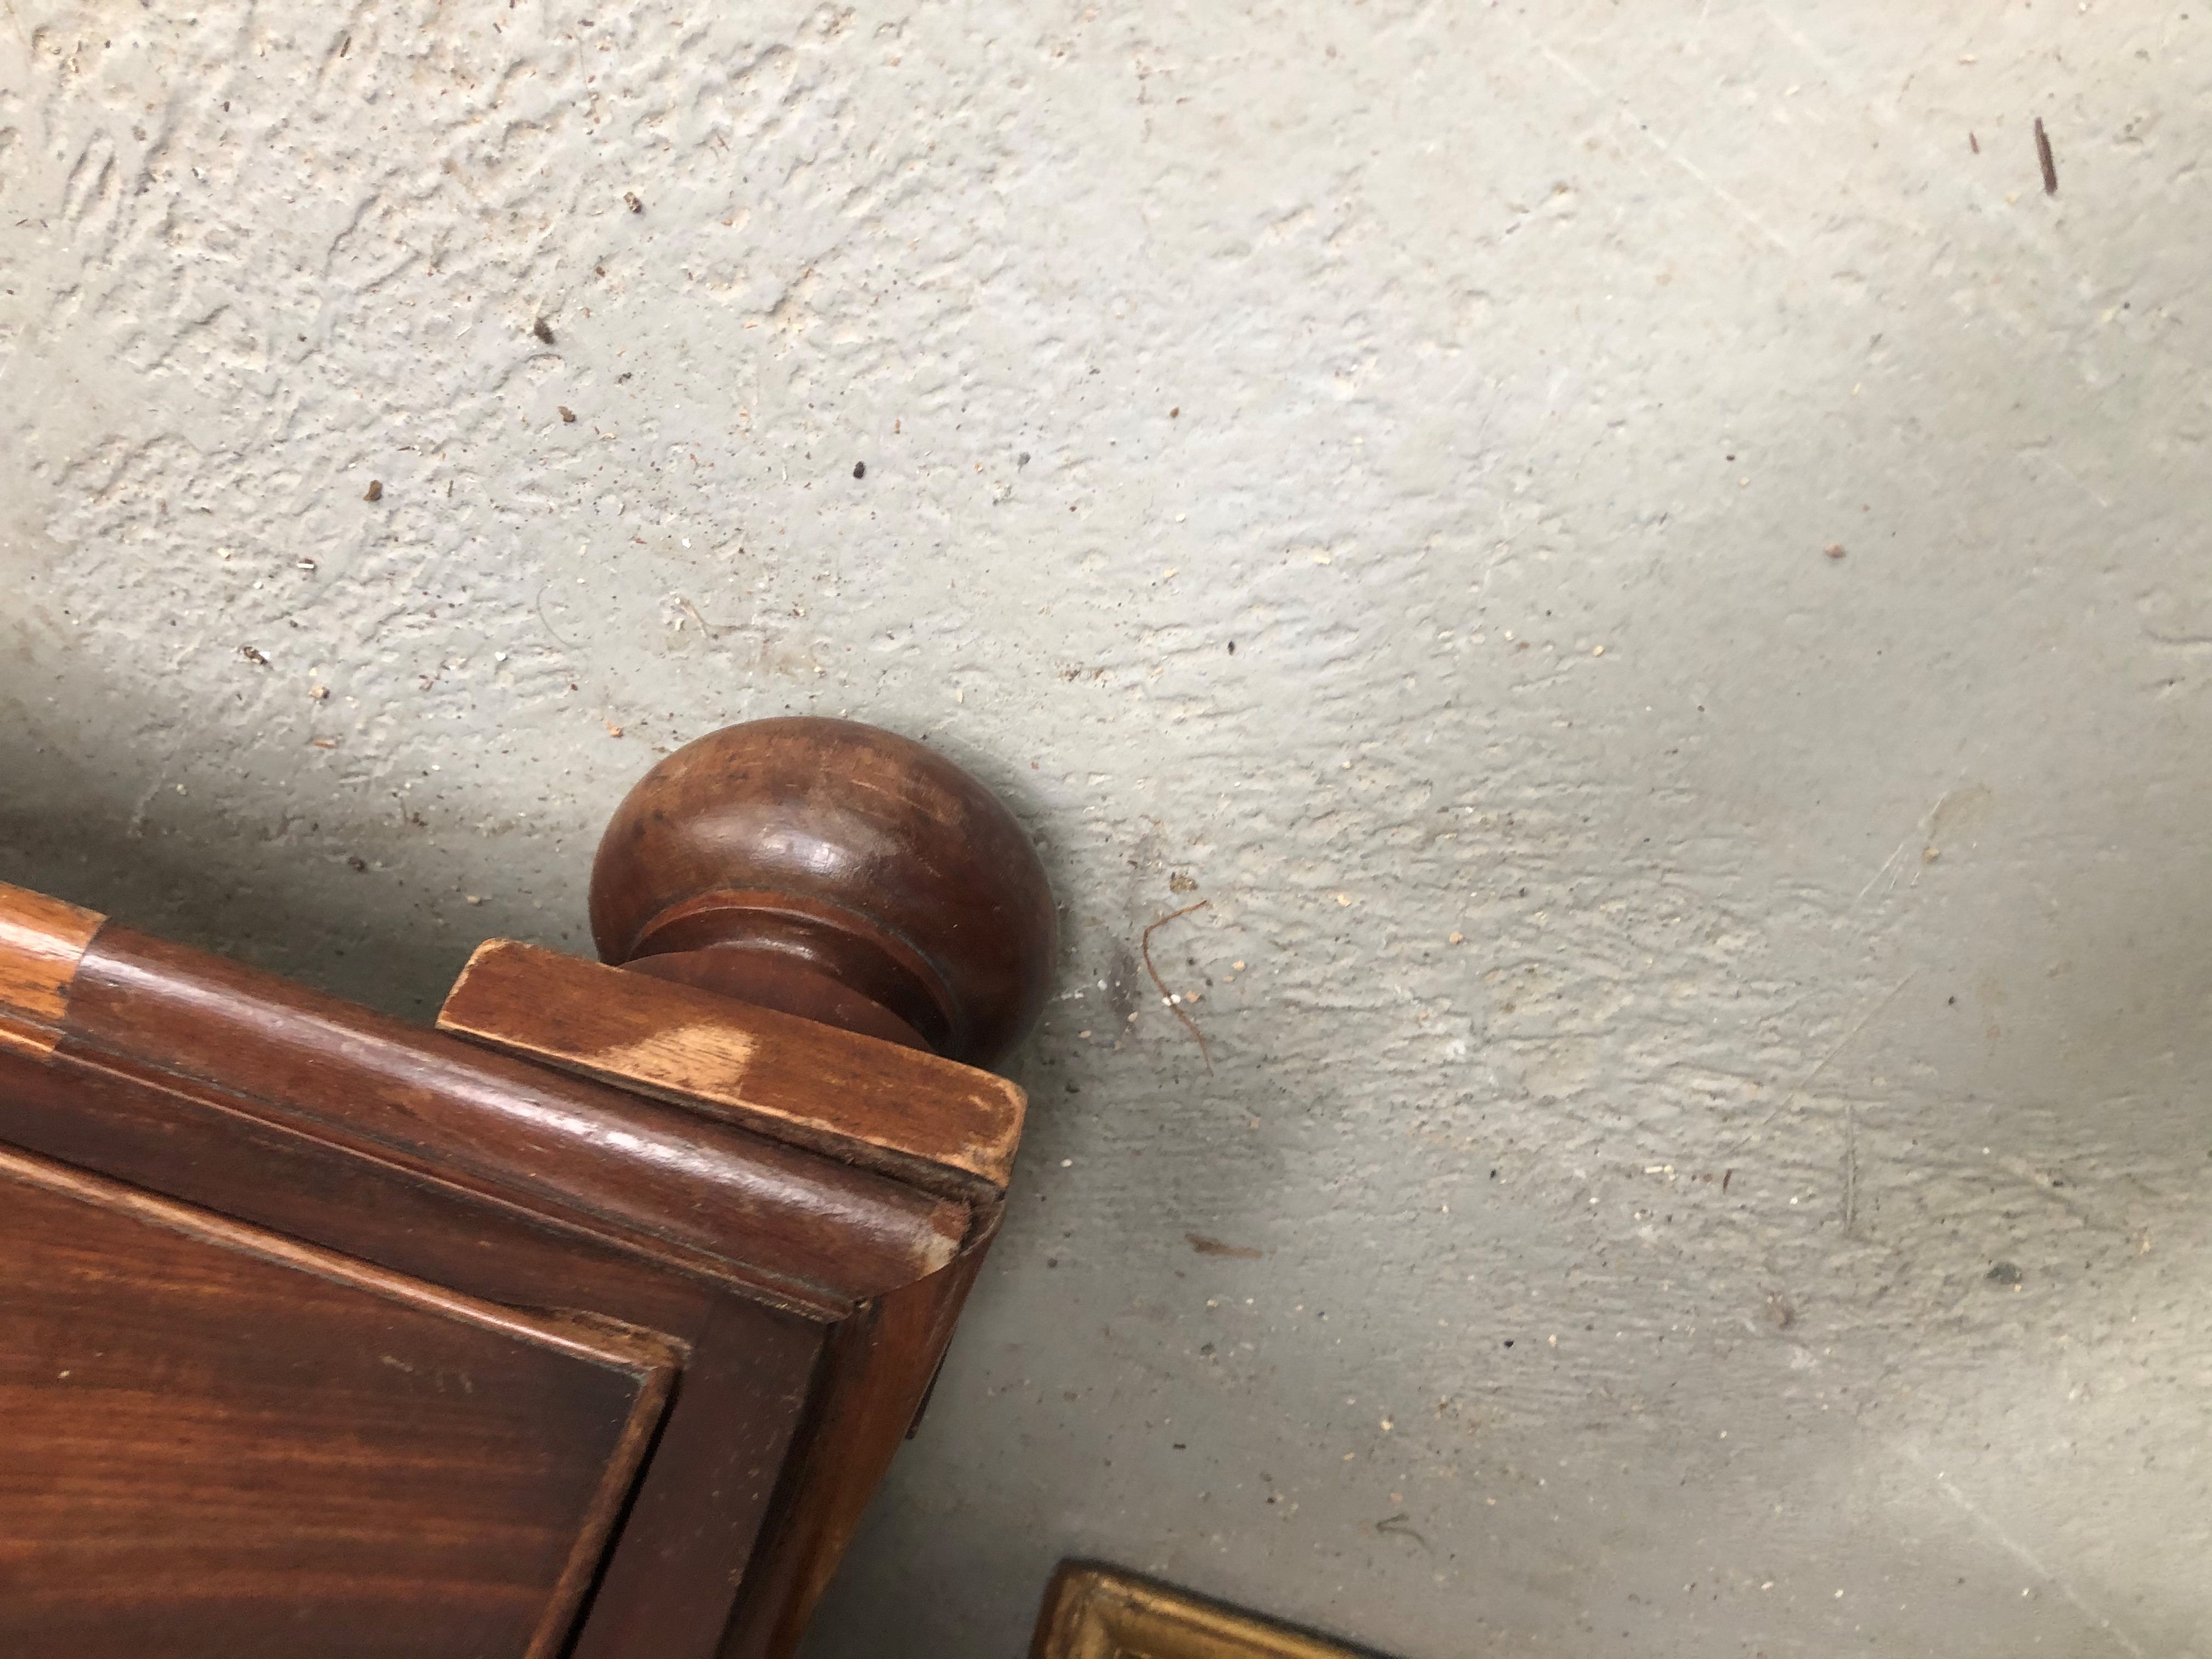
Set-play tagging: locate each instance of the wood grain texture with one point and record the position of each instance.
(805, 1281)
(223, 1442)
(837, 871)
(42, 942)
(699, 1195)
(674, 1569)
(708, 1497)
(23, 1036)
(877, 1377)
(869, 1102)
(185, 1139)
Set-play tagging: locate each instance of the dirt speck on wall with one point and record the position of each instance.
(1705, 1147)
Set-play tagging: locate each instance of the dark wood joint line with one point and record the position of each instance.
(43, 942)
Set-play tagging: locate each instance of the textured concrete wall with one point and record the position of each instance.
(1705, 1147)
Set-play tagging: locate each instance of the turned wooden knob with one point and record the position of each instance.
(835, 871)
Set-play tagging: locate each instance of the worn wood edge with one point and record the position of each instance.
(796, 1296)
(23, 1036)
(42, 942)
(711, 1052)
(206, 1005)
(1093, 1611)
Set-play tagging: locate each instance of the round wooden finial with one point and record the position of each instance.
(835, 871)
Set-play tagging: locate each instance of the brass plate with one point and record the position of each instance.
(1096, 1613)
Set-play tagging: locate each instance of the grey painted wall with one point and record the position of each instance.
(1705, 1147)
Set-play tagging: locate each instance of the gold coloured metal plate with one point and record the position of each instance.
(1095, 1612)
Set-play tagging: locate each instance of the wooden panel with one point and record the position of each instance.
(876, 1378)
(703, 1196)
(221, 1443)
(678, 1570)
(812, 1299)
(181, 1139)
(876, 1103)
(42, 942)
(675, 1568)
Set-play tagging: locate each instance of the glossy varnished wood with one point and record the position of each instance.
(718, 1474)
(857, 1098)
(836, 872)
(223, 1442)
(700, 1195)
(246, 1092)
(670, 1569)
(876, 1380)
(774, 1220)
(41, 941)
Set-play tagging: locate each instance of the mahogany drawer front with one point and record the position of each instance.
(264, 1385)
(225, 1443)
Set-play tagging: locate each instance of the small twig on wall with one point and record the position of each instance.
(556, 639)
(1180, 1012)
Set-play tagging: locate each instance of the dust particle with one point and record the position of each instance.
(1834, 550)
(542, 330)
(2006, 1272)
(567, 415)
(1206, 1246)
(358, 864)
(375, 492)
(253, 656)
(859, 469)
(635, 206)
